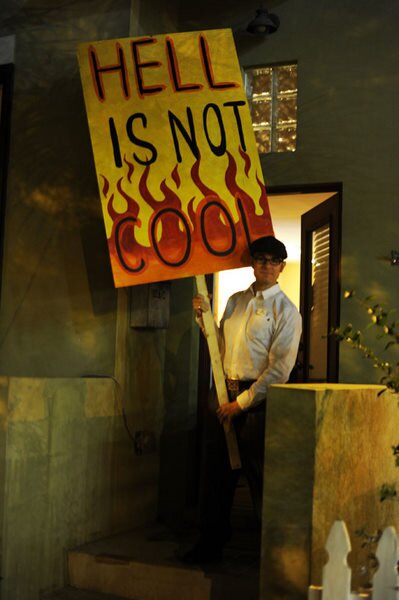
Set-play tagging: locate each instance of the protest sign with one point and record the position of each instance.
(178, 170)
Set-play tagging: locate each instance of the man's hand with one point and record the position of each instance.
(228, 411)
(200, 305)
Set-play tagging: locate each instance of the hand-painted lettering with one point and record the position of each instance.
(97, 72)
(235, 104)
(208, 69)
(183, 220)
(175, 154)
(116, 149)
(140, 142)
(174, 70)
(189, 136)
(211, 129)
(219, 149)
(139, 66)
(118, 234)
(183, 251)
(230, 221)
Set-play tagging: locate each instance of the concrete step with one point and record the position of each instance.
(70, 593)
(144, 565)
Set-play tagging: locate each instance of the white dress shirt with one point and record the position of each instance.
(259, 337)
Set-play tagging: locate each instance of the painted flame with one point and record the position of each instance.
(204, 239)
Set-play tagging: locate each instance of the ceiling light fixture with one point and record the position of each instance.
(264, 23)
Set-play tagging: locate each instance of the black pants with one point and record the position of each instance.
(219, 481)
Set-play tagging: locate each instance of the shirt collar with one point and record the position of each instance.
(269, 293)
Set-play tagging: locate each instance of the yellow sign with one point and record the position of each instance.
(178, 170)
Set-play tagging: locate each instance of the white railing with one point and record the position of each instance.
(337, 574)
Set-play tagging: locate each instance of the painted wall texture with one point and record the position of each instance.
(58, 302)
(68, 475)
(321, 467)
(60, 316)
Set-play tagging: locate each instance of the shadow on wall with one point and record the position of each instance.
(98, 267)
(179, 467)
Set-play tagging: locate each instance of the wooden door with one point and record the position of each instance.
(320, 290)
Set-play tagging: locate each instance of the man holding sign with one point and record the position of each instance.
(259, 337)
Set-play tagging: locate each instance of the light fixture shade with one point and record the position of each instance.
(264, 23)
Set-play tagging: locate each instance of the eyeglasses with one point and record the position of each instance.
(264, 260)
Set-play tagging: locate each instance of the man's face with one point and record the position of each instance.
(267, 269)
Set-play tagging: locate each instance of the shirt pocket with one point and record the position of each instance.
(260, 326)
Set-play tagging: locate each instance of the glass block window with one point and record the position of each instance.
(272, 96)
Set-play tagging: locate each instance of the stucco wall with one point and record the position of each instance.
(69, 475)
(321, 467)
(60, 315)
(58, 302)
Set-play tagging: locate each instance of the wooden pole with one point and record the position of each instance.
(218, 374)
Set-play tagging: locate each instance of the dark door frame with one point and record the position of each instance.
(326, 213)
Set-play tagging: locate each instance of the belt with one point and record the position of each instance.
(236, 386)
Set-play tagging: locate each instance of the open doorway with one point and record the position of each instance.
(286, 211)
